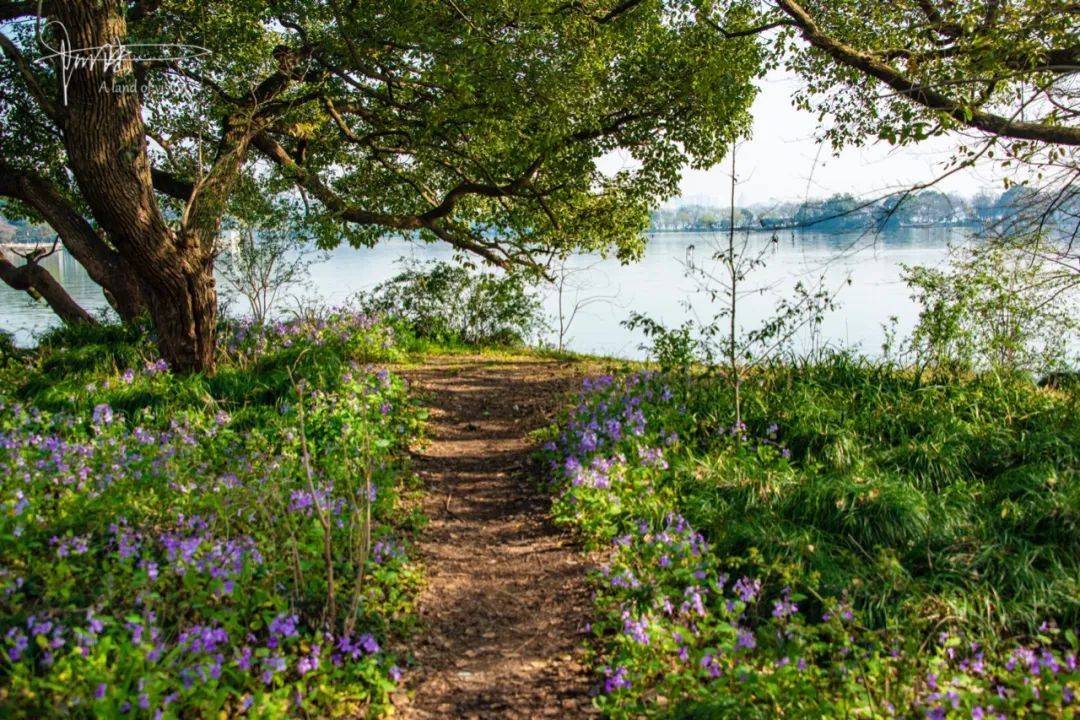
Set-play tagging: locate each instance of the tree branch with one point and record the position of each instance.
(103, 264)
(747, 32)
(333, 202)
(430, 220)
(17, 10)
(618, 10)
(452, 197)
(171, 185)
(930, 99)
(37, 282)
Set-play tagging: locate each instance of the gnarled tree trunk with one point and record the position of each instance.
(106, 146)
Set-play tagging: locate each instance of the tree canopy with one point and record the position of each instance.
(476, 123)
(1005, 68)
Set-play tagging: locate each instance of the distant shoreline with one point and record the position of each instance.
(822, 231)
(28, 246)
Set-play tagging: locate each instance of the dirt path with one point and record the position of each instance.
(506, 599)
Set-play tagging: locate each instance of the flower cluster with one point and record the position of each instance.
(164, 562)
(339, 325)
(677, 622)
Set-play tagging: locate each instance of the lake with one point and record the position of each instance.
(863, 270)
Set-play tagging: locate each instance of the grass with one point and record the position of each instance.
(932, 513)
(963, 496)
(181, 546)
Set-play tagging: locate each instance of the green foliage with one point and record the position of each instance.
(675, 349)
(969, 63)
(857, 547)
(449, 302)
(994, 308)
(226, 546)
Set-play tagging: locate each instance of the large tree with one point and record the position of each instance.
(477, 123)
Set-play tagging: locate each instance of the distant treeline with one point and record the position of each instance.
(23, 231)
(846, 213)
(836, 214)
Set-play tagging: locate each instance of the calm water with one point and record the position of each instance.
(864, 271)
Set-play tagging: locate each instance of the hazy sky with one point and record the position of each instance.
(783, 161)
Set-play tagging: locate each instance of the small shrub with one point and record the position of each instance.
(446, 302)
(994, 308)
(267, 260)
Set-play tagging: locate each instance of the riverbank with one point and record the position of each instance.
(862, 544)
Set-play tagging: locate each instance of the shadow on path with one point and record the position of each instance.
(506, 600)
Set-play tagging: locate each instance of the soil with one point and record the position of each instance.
(506, 600)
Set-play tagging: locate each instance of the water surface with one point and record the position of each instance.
(864, 272)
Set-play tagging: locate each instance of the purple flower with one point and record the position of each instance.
(202, 639)
(103, 414)
(368, 643)
(99, 691)
(694, 601)
(616, 680)
(636, 629)
(308, 662)
(784, 607)
(284, 626)
(273, 664)
(20, 642)
(747, 589)
(744, 638)
(160, 366)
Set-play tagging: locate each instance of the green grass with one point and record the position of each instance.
(956, 503)
(916, 544)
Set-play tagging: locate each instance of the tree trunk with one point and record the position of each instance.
(39, 283)
(184, 310)
(106, 145)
